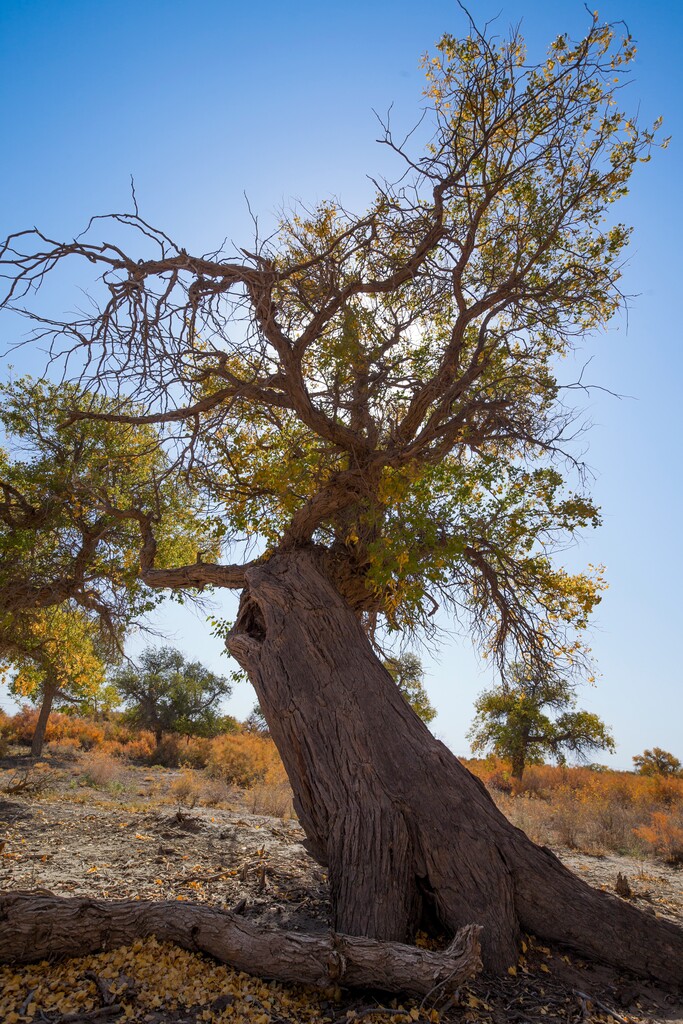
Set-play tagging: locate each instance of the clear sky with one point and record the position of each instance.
(206, 101)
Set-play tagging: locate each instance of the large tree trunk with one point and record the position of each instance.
(407, 832)
(49, 693)
(35, 926)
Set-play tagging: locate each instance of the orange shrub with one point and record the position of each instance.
(243, 759)
(68, 749)
(59, 727)
(139, 747)
(664, 836)
(590, 809)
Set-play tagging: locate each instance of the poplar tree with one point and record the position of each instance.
(372, 402)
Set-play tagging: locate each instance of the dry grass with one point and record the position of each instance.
(580, 808)
(592, 811)
(272, 799)
(187, 788)
(101, 771)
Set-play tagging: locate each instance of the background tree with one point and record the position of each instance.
(657, 762)
(71, 498)
(56, 660)
(256, 721)
(532, 717)
(407, 672)
(167, 693)
(372, 402)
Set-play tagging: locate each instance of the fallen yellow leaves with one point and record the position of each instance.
(149, 975)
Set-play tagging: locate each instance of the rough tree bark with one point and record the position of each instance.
(35, 926)
(407, 832)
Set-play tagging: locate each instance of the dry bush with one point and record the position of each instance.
(215, 792)
(60, 727)
(243, 759)
(32, 781)
(139, 747)
(664, 836)
(273, 799)
(587, 809)
(101, 771)
(187, 788)
(174, 751)
(67, 749)
(5, 732)
(533, 816)
(194, 751)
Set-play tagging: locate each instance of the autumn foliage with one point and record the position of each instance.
(589, 809)
(241, 759)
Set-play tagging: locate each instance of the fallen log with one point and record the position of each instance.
(34, 926)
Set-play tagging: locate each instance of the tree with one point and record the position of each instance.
(657, 762)
(408, 674)
(513, 721)
(372, 404)
(72, 497)
(54, 661)
(166, 693)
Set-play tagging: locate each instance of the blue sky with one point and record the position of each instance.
(205, 102)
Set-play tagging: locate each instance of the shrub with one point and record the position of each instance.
(31, 781)
(187, 788)
(664, 836)
(272, 799)
(243, 759)
(68, 749)
(175, 751)
(60, 727)
(593, 810)
(101, 771)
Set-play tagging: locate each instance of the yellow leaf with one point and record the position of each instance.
(512, 971)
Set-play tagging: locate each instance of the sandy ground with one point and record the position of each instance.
(88, 844)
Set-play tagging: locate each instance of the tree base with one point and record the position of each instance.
(34, 926)
(408, 834)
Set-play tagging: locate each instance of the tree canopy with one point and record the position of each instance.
(408, 674)
(73, 496)
(385, 386)
(657, 762)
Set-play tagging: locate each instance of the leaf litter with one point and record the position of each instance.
(257, 866)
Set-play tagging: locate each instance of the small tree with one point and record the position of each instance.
(656, 762)
(169, 694)
(532, 717)
(408, 674)
(56, 661)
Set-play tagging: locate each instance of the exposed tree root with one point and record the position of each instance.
(34, 926)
